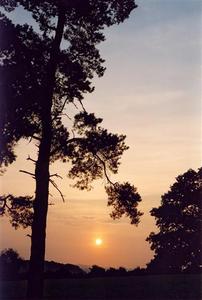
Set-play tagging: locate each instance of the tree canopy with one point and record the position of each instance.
(178, 245)
(10, 262)
(26, 55)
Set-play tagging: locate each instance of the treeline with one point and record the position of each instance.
(13, 267)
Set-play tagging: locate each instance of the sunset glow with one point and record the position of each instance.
(98, 242)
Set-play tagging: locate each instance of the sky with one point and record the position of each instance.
(151, 91)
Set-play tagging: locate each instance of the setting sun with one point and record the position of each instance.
(98, 242)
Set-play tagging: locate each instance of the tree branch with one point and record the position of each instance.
(75, 105)
(63, 106)
(2, 208)
(61, 110)
(105, 169)
(29, 158)
(28, 173)
(8, 207)
(82, 105)
(68, 141)
(73, 133)
(56, 175)
(36, 137)
(56, 187)
(66, 116)
(74, 140)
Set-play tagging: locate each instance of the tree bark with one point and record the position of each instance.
(37, 257)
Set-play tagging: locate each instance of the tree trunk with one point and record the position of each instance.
(35, 280)
(36, 269)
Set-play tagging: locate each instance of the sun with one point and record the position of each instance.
(98, 242)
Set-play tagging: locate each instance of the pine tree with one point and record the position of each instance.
(45, 66)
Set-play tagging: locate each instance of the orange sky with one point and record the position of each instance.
(152, 93)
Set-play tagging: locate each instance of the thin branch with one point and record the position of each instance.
(63, 106)
(36, 137)
(74, 139)
(56, 175)
(105, 169)
(61, 110)
(73, 133)
(29, 158)
(31, 174)
(75, 105)
(66, 116)
(4, 200)
(82, 105)
(56, 187)
(5, 205)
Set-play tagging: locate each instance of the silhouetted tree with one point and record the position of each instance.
(178, 244)
(121, 271)
(137, 272)
(116, 272)
(111, 272)
(10, 263)
(44, 67)
(18, 209)
(96, 271)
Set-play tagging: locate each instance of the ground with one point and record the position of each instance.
(156, 287)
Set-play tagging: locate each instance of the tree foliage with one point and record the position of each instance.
(10, 263)
(18, 209)
(97, 271)
(25, 56)
(178, 244)
(124, 199)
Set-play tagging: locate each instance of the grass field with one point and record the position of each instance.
(164, 287)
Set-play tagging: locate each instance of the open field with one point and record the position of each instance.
(157, 287)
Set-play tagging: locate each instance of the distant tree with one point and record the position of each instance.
(111, 272)
(69, 270)
(44, 67)
(178, 244)
(10, 263)
(96, 271)
(121, 271)
(137, 272)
